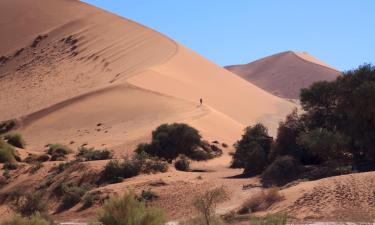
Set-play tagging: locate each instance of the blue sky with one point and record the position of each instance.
(339, 32)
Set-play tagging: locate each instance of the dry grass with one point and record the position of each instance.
(261, 201)
(270, 219)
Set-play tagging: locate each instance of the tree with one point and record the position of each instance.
(324, 143)
(346, 106)
(171, 140)
(287, 133)
(253, 150)
(319, 102)
(281, 171)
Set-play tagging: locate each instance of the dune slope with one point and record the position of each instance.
(67, 49)
(286, 73)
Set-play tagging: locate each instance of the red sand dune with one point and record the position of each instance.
(286, 73)
(69, 66)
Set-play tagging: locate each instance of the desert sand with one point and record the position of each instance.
(74, 74)
(285, 73)
(90, 67)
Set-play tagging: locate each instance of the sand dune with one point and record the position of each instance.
(285, 74)
(55, 64)
(75, 74)
(348, 197)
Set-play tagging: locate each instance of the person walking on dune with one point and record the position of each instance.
(201, 101)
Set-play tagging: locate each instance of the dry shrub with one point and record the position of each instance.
(35, 219)
(261, 201)
(182, 163)
(206, 204)
(91, 154)
(15, 139)
(7, 152)
(29, 203)
(32, 158)
(127, 209)
(270, 219)
(58, 152)
(154, 165)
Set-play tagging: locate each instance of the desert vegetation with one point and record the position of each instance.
(15, 139)
(7, 153)
(182, 163)
(270, 219)
(28, 204)
(58, 152)
(126, 209)
(335, 134)
(261, 201)
(33, 158)
(91, 154)
(171, 140)
(117, 170)
(35, 219)
(205, 204)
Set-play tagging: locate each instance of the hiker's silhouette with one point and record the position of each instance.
(201, 100)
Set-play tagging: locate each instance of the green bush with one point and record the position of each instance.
(15, 139)
(253, 150)
(200, 154)
(72, 195)
(282, 171)
(7, 152)
(90, 198)
(130, 168)
(58, 151)
(324, 144)
(171, 140)
(35, 219)
(112, 172)
(91, 154)
(128, 210)
(29, 204)
(147, 196)
(10, 166)
(115, 171)
(182, 163)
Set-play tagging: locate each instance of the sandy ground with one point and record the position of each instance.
(285, 73)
